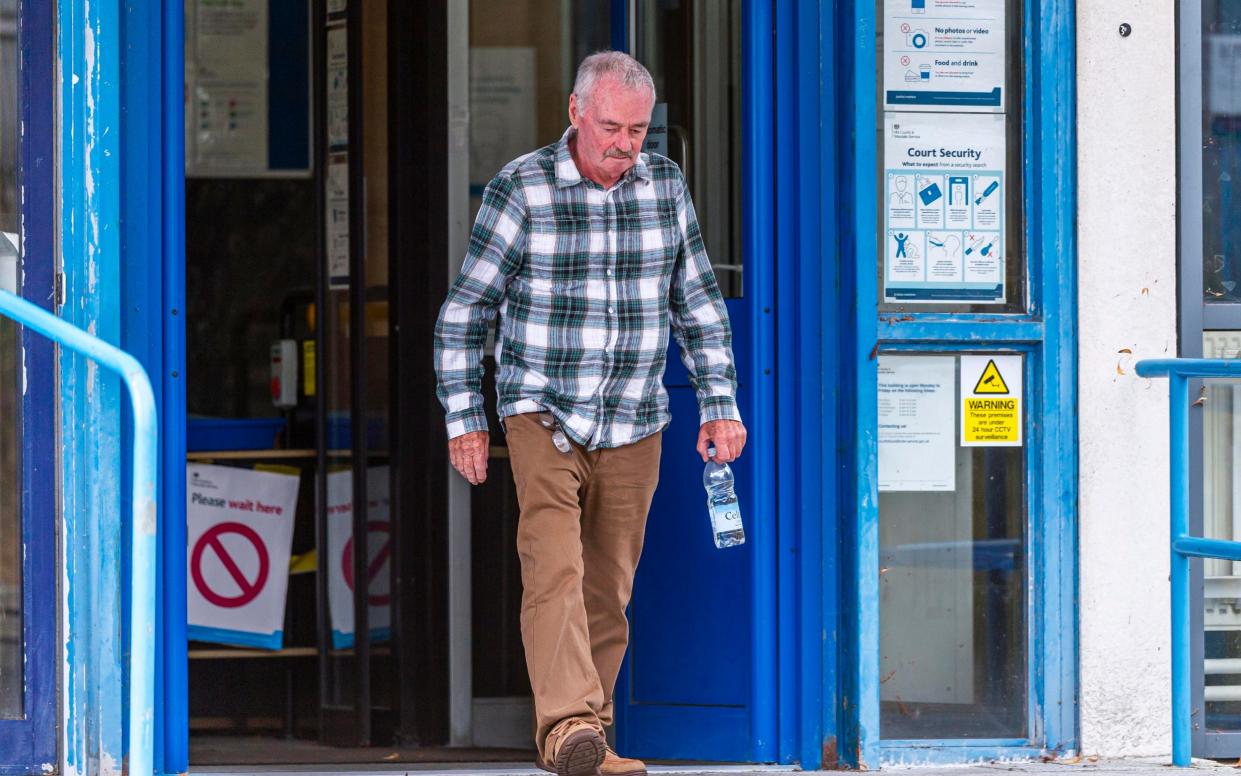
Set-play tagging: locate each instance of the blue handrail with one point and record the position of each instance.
(1179, 372)
(143, 524)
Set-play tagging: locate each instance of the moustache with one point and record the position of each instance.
(613, 154)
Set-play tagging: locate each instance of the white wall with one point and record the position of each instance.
(1127, 297)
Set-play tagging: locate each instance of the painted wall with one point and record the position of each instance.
(1127, 297)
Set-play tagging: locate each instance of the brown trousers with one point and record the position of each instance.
(583, 518)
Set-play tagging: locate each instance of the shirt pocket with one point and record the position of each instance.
(558, 253)
(650, 241)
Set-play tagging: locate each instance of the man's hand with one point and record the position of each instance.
(728, 436)
(469, 453)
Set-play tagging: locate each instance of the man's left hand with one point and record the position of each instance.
(728, 436)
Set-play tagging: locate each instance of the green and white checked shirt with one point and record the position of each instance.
(586, 281)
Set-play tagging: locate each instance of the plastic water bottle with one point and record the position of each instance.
(722, 504)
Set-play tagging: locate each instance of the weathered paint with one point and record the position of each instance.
(141, 538)
(1126, 124)
(88, 36)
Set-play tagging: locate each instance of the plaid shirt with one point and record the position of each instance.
(586, 281)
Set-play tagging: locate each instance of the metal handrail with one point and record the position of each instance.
(1179, 372)
(143, 526)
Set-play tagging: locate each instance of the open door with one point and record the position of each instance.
(701, 636)
(28, 391)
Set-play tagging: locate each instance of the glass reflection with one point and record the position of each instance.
(1221, 150)
(11, 646)
(952, 569)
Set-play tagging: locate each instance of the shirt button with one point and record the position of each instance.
(609, 273)
(611, 311)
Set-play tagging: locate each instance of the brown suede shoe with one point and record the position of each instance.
(577, 749)
(615, 765)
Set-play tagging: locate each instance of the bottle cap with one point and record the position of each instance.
(710, 451)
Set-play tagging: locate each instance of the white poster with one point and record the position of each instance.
(336, 219)
(992, 393)
(340, 555)
(239, 537)
(503, 119)
(943, 55)
(943, 200)
(917, 450)
(1224, 74)
(228, 87)
(657, 134)
(337, 88)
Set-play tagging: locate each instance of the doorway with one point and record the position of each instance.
(316, 265)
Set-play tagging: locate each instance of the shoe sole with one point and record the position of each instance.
(580, 754)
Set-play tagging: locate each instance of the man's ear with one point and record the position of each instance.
(575, 113)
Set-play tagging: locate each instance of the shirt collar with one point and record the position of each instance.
(568, 175)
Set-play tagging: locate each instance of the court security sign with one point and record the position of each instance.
(991, 397)
(943, 55)
(943, 200)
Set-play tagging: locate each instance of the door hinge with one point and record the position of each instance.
(58, 289)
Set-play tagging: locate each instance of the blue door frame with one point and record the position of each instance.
(1045, 333)
(120, 141)
(28, 744)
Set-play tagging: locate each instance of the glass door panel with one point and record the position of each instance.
(28, 395)
(952, 563)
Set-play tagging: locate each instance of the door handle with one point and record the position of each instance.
(683, 139)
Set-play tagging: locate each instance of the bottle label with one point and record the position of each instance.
(726, 518)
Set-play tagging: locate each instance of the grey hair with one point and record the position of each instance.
(610, 64)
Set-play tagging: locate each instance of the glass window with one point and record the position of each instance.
(1221, 491)
(693, 50)
(523, 60)
(1221, 150)
(952, 549)
(11, 643)
(949, 150)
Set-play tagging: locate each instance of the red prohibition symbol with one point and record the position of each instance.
(372, 570)
(249, 589)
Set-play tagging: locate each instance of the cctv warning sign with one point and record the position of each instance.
(991, 399)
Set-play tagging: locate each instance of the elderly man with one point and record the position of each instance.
(588, 249)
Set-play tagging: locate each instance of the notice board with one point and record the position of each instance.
(248, 88)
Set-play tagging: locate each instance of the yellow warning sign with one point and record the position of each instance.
(991, 421)
(991, 413)
(991, 381)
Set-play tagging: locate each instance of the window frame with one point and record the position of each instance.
(1045, 332)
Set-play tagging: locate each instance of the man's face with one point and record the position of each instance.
(610, 128)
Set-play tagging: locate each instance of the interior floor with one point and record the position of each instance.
(224, 749)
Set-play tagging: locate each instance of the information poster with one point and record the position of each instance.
(337, 88)
(943, 55)
(503, 121)
(1224, 74)
(917, 450)
(336, 203)
(341, 580)
(228, 76)
(657, 134)
(943, 199)
(239, 528)
(991, 398)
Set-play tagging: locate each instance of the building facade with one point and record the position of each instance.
(947, 231)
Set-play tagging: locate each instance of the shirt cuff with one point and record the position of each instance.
(718, 408)
(466, 422)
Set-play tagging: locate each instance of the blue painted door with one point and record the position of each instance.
(27, 411)
(699, 681)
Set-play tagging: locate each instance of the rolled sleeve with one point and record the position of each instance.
(700, 321)
(493, 257)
